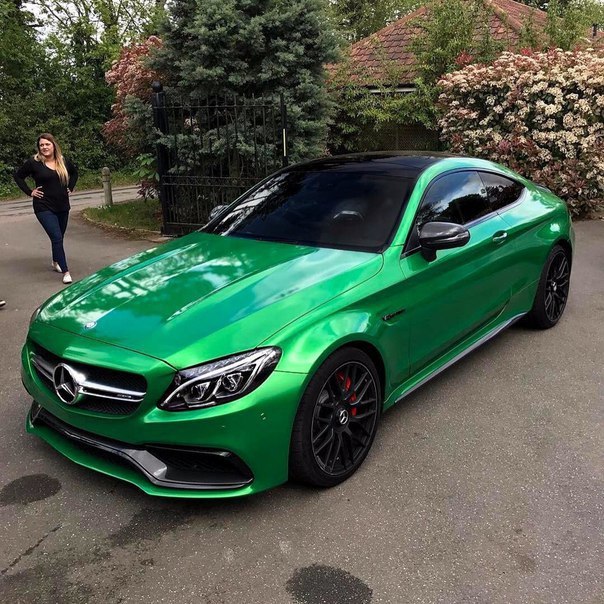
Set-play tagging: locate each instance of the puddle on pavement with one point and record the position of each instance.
(318, 584)
(28, 489)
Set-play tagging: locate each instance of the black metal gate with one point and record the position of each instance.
(212, 150)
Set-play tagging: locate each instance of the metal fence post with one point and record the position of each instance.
(285, 159)
(160, 121)
(107, 194)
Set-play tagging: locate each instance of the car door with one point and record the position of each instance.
(464, 288)
(524, 218)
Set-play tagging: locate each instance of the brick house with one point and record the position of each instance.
(508, 22)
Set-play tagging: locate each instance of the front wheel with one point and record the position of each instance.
(552, 291)
(337, 419)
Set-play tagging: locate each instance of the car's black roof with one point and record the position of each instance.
(412, 162)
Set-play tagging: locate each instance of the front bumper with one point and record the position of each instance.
(170, 467)
(229, 450)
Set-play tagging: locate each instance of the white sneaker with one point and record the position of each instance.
(67, 278)
(55, 267)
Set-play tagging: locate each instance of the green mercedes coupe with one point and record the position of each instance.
(266, 345)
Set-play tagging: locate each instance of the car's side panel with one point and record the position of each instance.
(460, 291)
(535, 224)
(472, 341)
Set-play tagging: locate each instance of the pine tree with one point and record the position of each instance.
(255, 47)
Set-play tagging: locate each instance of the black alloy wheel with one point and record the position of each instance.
(556, 286)
(337, 419)
(552, 292)
(344, 418)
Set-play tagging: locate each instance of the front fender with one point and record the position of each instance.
(305, 350)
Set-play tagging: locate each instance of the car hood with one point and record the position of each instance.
(205, 296)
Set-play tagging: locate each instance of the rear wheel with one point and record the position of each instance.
(552, 292)
(337, 419)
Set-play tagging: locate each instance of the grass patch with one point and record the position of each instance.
(92, 180)
(138, 214)
(86, 181)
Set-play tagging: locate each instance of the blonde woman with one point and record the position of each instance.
(55, 178)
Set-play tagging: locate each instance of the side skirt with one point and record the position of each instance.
(440, 365)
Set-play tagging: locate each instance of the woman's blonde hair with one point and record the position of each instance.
(59, 161)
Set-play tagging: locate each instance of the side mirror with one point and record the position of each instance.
(215, 211)
(441, 236)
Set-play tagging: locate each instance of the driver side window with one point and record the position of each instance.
(459, 197)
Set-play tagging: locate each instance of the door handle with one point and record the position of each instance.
(500, 236)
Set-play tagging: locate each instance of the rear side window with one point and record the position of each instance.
(459, 197)
(501, 191)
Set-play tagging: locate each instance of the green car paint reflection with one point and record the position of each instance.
(267, 345)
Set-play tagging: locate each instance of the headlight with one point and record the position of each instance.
(220, 381)
(34, 315)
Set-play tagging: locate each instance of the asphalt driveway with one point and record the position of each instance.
(484, 486)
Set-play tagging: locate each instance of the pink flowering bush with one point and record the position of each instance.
(132, 79)
(540, 113)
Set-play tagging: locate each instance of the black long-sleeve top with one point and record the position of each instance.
(56, 196)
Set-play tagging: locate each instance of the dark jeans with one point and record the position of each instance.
(55, 224)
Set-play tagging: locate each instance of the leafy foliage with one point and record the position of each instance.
(364, 107)
(540, 113)
(453, 34)
(23, 79)
(569, 22)
(107, 24)
(360, 18)
(453, 29)
(147, 175)
(130, 128)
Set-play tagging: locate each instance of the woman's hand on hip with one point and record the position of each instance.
(37, 192)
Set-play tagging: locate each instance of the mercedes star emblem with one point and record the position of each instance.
(66, 384)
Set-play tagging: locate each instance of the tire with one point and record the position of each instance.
(337, 420)
(552, 291)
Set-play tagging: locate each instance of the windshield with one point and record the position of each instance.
(338, 208)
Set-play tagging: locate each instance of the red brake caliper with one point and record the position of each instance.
(353, 396)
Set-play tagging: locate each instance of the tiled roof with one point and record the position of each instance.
(394, 42)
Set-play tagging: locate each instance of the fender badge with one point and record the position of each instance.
(90, 325)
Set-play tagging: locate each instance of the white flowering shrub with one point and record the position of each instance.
(540, 113)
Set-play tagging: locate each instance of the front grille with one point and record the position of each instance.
(108, 407)
(101, 390)
(167, 466)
